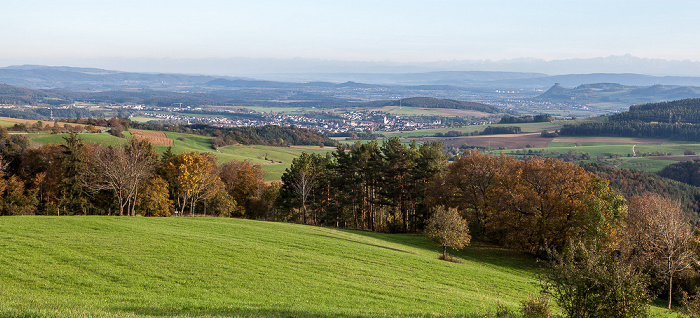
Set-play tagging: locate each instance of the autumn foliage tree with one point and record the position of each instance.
(531, 205)
(194, 178)
(244, 182)
(447, 228)
(155, 198)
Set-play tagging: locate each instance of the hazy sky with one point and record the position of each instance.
(348, 30)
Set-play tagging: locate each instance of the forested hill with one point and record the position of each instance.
(269, 135)
(630, 183)
(679, 111)
(431, 102)
(675, 120)
(17, 95)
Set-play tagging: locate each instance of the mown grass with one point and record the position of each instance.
(91, 266)
(211, 267)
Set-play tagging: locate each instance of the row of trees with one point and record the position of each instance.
(84, 178)
(372, 187)
(531, 205)
(636, 129)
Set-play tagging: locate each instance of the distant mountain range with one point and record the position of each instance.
(92, 79)
(306, 70)
(513, 90)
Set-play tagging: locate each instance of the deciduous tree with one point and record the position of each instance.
(661, 232)
(194, 178)
(447, 228)
(122, 171)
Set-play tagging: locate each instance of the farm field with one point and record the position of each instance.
(216, 267)
(526, 127)
(143, 119)
(156, 138)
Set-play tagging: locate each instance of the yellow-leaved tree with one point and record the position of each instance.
(194, 178)
(447, 228)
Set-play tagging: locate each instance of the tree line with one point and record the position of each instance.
(269, 135)
(531, 205)
(678, 111)
(526, 119)
(80, 178)
(636, 129)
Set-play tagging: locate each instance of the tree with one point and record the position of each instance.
(447, 228)
(74, 194)
(243, 181)
(194, 178)
(155, 198)
(122, 170)
(398, 188)
(469, 183)
(539, 204)
(301, 177)
(662, 234)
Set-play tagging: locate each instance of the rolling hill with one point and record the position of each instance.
(214, 267)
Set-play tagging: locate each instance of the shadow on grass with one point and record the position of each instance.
(269, 312)
(333, 237)
(476, 251)
(223, 312)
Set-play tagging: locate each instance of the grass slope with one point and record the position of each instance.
(211, 267)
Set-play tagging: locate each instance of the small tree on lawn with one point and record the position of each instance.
(447, 228)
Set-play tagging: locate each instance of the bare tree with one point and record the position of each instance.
(303, 174)
(303, 185)
(122, 170)
(660, 230)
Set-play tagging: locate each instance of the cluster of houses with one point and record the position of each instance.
(351, 121)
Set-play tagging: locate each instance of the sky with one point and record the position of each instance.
(406, 31)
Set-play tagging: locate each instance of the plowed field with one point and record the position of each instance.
(155, 137)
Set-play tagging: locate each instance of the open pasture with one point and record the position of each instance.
(212, 267)
(97, 266)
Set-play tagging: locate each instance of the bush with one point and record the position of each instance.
(691, 305)
(536, 306)
(587, 282)
(502, 310)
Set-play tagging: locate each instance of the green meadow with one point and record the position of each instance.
(96, 266)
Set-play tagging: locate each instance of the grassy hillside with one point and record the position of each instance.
(109, 267)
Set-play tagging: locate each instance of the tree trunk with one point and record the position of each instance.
(444, 252)
(670, 286)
